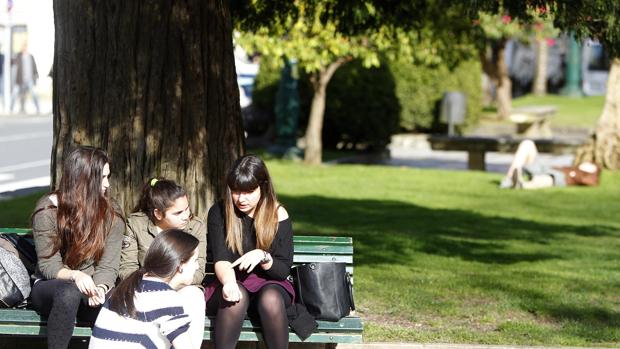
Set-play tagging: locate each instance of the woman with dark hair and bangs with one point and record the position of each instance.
(78, 232)
(251, 238)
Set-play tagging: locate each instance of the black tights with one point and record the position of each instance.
(270, 304)
(61, 302)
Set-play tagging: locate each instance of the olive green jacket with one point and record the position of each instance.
(139, 234)
(45, 229)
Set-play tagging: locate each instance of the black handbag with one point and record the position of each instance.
(325, 289)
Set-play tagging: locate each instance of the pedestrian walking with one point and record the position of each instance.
(26, 77)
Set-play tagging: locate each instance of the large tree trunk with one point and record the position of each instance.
(542, 57)
(494, 65)
(604, 146)
(313, 154)
(153, 83)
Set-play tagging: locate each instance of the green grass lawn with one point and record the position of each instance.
(572, 112)
(445, 256)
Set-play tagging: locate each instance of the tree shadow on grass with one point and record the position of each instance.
(386, 231)
(578, 317)
(392, 232)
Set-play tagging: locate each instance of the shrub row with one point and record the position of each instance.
(366, 106)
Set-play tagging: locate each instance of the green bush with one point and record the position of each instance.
(420, 89)
(265, 88)
(362, 108)
(366, 106)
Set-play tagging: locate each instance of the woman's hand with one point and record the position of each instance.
(84, 283)
(231, 292)
(98, 298)
(249, 260)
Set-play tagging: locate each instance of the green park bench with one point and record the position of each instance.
(27, 323)
(477, 147)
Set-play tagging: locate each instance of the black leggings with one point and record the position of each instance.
(270, 305)
(61, 302)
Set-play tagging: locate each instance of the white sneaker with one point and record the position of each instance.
(506, 183)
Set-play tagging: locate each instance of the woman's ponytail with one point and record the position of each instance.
(121, 300)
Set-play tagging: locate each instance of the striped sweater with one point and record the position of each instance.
(161, 318)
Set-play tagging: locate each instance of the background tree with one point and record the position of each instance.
(500, 27)
(153, 83)
(599, 19)
(320, 51)
(317, 39)
(543, 34)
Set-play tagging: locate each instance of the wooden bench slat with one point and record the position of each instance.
(27, 316)
(323, 249)
(348, 330)
(15, 230)
(245, 336)
(293, 338)
(317, 258)
(322, 239)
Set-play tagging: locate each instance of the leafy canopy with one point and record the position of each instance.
(587, 18)
(312, 33)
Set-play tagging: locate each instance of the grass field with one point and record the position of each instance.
(445, 256)
(572, 112)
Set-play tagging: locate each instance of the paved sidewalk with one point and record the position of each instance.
(445, 346)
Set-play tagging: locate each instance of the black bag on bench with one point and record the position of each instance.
(325, 289)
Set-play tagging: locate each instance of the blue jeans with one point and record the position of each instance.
(538, 168)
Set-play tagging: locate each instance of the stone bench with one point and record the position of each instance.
(533, 121)
(477, 147)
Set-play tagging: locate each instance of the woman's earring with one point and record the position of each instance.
(180, 270)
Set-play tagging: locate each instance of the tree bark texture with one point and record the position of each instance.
(153, 83)
(603, 147)
(313, 154)
(494, 65)
(542, 55)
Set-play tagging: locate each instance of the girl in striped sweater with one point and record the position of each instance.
(145, 310)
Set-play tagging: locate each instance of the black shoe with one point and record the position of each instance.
(517, 179)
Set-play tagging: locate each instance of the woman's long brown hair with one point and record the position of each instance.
(248, 173)
(84, 215)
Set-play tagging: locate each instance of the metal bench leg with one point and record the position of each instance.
(475, 160)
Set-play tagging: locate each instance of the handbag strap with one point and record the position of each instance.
(299, 294)
(347, 277)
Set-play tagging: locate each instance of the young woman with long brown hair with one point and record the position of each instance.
(164, 205)
(251, 238)
(78, 232)
(145, 310)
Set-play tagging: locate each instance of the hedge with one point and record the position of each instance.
(365, 107)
